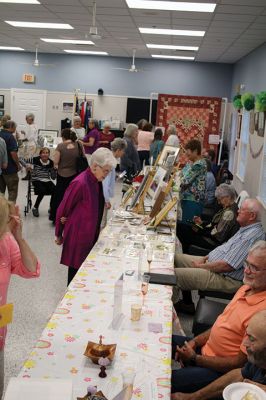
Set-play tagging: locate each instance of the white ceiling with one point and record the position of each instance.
(232, 31)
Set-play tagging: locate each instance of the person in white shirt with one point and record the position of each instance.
(118, 147)
(172, 136)
(30, 137)
(77, 128)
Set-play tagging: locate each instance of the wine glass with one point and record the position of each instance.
(149, 257)
(145, 279)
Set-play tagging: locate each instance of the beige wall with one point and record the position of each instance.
(251, 182)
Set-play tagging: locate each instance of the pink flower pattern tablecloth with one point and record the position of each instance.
(85, 312)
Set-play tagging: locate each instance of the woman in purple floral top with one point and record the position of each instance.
(193, 178)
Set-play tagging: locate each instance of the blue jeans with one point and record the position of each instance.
(190, 379)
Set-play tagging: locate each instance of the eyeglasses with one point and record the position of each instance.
(252, 267)
(105, 171)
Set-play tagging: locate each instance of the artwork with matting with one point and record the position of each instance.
(194, 117)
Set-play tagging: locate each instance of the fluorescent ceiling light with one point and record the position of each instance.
(175, 32)
(67, 41)
(171, 5)
(20, 1)
(173, 57)
(11, 48)
(98, 53)
(170, 47)
(42, 25)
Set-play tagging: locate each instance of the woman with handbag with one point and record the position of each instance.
(65, 161)
(79, 215)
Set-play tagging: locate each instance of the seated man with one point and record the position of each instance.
(222, 269)
(252, 372)
(222, 348)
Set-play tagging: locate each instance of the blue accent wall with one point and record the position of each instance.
(251, 71)
(91, 73)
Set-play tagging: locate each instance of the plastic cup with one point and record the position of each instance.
(135, 312)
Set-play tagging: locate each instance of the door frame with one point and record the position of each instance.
(43, 92)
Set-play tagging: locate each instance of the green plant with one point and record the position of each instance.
(260, 103)
(248, 101)
(237, 101)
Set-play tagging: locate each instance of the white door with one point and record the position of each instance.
(24, 101)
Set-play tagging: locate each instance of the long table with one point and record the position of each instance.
(86, 311)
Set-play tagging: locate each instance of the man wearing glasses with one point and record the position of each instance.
(222, 268)
(223, 347)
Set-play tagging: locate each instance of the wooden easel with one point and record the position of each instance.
(162, 214)
(139, 208)
(127, 196)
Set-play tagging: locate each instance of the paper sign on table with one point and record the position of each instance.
(6, 314)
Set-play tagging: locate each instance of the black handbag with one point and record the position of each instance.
(82, 162)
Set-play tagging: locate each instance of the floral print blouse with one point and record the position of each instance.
(193, 179)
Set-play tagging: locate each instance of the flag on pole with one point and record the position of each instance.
(83, 111)
(76, 103)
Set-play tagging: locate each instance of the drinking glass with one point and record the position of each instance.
(145, 279)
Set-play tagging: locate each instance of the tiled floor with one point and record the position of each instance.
(35, 300)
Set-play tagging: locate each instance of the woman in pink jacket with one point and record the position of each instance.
(16, 257)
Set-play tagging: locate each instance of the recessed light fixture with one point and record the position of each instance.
(174, 32)
(11, 48)
(170, 47)
(20, 1)
(171, 5)
(41, 25)
(97, 53)
(67, 41)
(172, 57)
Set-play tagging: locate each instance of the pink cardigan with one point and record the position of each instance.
(11, 263)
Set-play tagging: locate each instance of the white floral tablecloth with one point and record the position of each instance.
(85, 313)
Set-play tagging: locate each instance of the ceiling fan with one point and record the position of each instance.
(36, 63)
(133, 66)
(93, 32)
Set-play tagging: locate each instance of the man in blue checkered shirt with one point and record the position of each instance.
(222, 268)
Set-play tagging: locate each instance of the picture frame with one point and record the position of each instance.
(2, 113)
(2, 101)
(261, 123)
(68, 107)
(167, 151)
(157, 182)
(49, 136)
(139, 191)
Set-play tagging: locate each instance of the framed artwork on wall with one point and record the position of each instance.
(2, 101)
(2, 113)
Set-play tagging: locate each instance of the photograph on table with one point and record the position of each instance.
(157, 183)
(49, 136)
(162, 214)
(168, 156)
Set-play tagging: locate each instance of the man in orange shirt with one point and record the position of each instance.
(221, 349)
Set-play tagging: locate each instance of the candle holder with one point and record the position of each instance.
(103, 362)
(97, 350)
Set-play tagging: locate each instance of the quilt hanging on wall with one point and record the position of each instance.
(194, 117)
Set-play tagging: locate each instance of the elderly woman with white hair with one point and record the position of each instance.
(30, 138)
(77, 128)
(106, 136)
(171, 133)
(79, 215)
(222, 227)
(130, 160)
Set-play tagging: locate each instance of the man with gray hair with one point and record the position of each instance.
(239, 333)
(3, 155)
(222, 268)
(9, 177)
(118, 147)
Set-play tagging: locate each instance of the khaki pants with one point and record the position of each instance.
(10, 181)
(191, 278)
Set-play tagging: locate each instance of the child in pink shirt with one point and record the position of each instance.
(16, 257)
